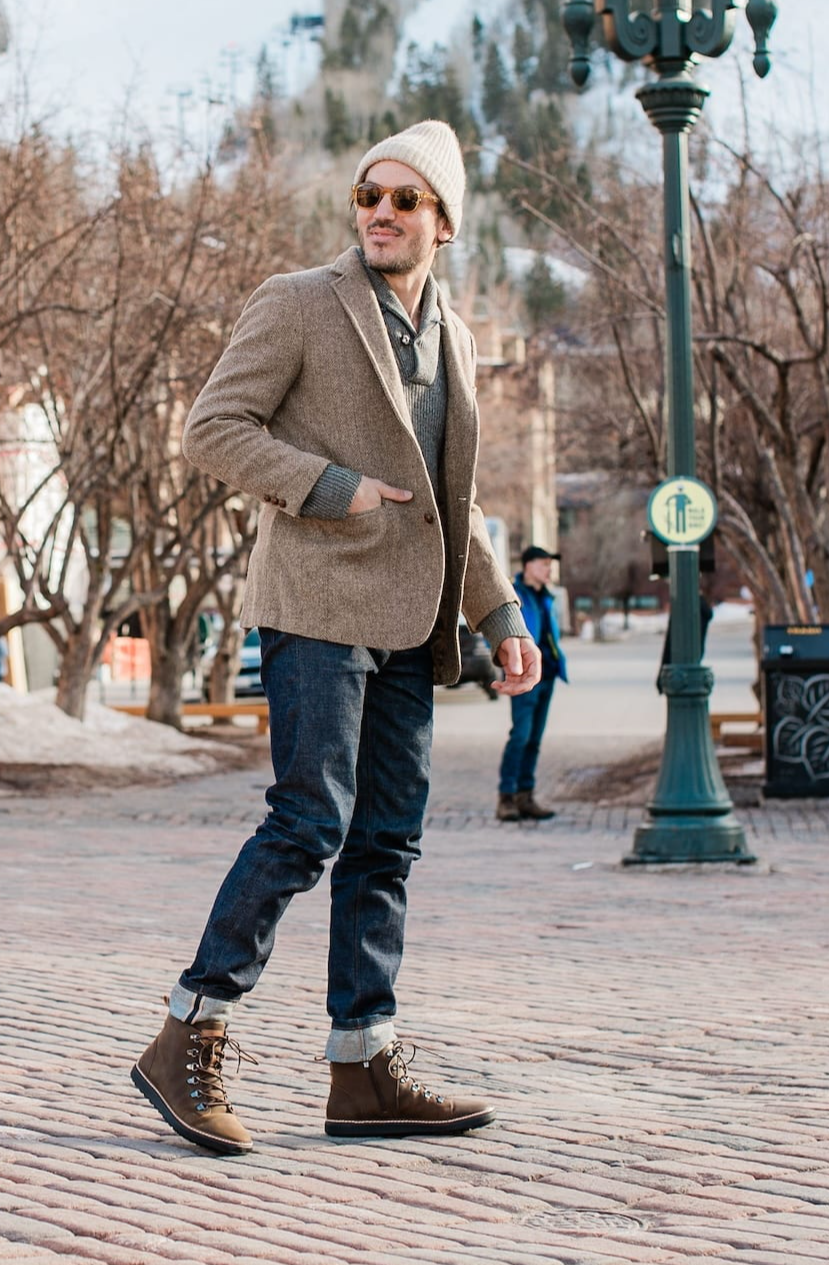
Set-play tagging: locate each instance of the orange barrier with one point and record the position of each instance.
(130, 659)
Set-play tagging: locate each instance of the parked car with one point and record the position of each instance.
(476, 660)
(248, 682)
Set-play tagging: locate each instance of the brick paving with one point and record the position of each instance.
(655, 1042)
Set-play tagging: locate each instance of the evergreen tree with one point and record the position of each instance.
(496, 86)
(265, 77)
(362, 20)
(537, 135)
(491, 259)
(543, 295)
(351, 39)
(552, 73)
(523, 54)
(478, 30)
(429, 89)
(379, 129)
(338, 135)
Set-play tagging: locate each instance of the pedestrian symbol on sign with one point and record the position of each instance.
(679, 501)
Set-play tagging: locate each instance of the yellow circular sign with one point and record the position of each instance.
(682, 511)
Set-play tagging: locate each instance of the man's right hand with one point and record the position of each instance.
(372, 492)
(521, 660)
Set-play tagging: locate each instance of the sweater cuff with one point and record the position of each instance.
(332, 493)
(505, 621)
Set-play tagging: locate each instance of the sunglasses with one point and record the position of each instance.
(405, 198)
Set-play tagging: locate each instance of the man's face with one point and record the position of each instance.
(537, 571)
(399, 242)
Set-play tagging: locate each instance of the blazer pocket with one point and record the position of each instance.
(378, 509)
(363, 527)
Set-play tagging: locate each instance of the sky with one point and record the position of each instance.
(182, 61)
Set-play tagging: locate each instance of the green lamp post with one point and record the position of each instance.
(690, 817)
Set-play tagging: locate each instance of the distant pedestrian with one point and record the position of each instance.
(346, 403)
(516, 798)
(706, 614)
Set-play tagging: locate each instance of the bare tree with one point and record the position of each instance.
(604, 550)
(121, 301)
(762, 294)
(762, 406)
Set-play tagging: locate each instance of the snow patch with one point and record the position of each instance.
(34, 731)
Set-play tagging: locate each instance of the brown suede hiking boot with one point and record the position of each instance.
(181, 1075)
(380, 1100)
(507, 809)
(527, 807)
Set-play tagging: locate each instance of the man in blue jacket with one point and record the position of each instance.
(529, 711)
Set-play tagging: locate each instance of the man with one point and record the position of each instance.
(529, 709)
(345, 402)
(706, 614)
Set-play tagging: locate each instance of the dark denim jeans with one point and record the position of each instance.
(529, 717)
(351, 734)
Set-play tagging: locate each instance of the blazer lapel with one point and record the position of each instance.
(458, 369)
(354, 291)
(461, 441)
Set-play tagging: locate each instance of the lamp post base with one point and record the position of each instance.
(678, 840)
(690, 817)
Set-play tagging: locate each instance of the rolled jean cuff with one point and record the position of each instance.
(358, 1045)
(190, 1007)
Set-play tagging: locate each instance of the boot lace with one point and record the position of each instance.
(208, 1052)
(398, 1069)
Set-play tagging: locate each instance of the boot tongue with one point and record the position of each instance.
(206, 1030)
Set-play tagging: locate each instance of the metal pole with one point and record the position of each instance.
(682, 457)
(690, 817)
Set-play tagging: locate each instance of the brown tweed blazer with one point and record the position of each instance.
(309, 377)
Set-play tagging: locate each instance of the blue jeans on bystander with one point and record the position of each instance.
(529, 717)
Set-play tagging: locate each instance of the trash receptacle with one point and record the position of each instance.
(795, 668)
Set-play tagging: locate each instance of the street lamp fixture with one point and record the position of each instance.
(690, 817)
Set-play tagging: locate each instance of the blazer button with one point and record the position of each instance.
(282, 504)
(428, 518)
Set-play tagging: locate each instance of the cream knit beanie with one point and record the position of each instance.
(432, 149)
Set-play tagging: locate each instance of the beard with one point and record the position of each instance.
(392, 259)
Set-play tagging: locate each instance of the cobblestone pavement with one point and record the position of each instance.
(655, 1042)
